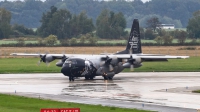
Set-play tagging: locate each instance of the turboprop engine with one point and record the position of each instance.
(62, 61)
(133, 62)
(47, 58)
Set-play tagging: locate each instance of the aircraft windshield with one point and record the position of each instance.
(71, 61)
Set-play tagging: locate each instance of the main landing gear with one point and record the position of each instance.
(108, 77)
(89, 77)
(71, 78)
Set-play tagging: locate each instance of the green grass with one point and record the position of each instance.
(11, 103)
(196, 91)
(14, 42)
(29, 65)
(26, 65)
(191, 64)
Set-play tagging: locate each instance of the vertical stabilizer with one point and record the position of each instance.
(134, 41)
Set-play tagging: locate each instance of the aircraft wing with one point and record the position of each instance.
(27, 54)
(150, 57)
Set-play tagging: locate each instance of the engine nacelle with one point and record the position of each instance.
(137, 61)
(114, 60)
(60, 63)
(46, 58)
(49, 58)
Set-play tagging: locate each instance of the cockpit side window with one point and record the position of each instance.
(71, 61)
(74, 62)
(68, 61)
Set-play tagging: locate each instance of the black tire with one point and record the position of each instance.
(105, 77)
(110, 78)
(86, 78)
(91, 78)
(70, 79)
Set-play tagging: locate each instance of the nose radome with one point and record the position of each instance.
(65, 70)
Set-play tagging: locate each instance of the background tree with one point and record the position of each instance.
(56, 22)
(152, 23)
(73, 41)
(21, 29)
(110, 25)
(159, 40)
(149, 34)
(65, 42)
(181, 36)
(82, 39)
(29, 12)
(51, 40)
(167, 39)
(81, 24)
(21, 41)
(5, 27)
(193, 27)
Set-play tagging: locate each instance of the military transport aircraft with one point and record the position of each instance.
(106, 65)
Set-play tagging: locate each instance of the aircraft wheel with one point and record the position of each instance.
(105, 77)
(86, 78)
(70, 78)
(91, 78)
(110, 78)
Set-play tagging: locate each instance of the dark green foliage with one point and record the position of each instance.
(29, 12)
(62, 24)
(5, 28)
(21, 30)
(193, 27)
(149, 34)
(110, 25)
(152, 23)
(181, 36)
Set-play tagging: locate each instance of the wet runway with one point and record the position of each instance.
(164, 91)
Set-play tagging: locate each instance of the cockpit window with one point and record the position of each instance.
(67, 61)
(71, 61)
(74, 62)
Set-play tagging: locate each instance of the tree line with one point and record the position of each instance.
(64, 25)
(178, 12)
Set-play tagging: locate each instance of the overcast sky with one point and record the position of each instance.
(44, 0)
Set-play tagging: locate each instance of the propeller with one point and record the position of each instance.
(108, 62)
(64, 58)
(42, 59)
(46, 58)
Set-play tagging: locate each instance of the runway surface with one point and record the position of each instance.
(158, 91)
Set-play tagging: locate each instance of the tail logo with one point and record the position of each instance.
(133, 42)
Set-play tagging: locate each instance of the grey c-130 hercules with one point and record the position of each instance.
(106, 65)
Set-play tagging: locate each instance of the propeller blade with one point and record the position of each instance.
(39, 62)
(131, 67)
(47, 63)
(110, 67)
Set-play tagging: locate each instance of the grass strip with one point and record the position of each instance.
(29, 65)
(196, 91)
(12, 103)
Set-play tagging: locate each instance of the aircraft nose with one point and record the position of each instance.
(65, 70)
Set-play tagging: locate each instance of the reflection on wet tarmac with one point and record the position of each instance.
(90, 87)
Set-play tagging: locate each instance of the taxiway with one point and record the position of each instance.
(158, 91)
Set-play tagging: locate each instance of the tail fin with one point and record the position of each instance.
(134, 41)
